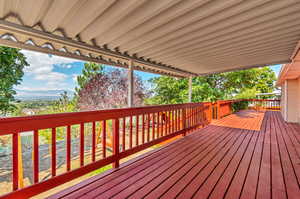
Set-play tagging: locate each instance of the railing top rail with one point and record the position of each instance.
(29, 123)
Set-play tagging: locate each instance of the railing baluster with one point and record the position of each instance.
(104, 138)
(53, 152)
(130, 132)
(15, 146)
(158, 125)
(94, 142)
(36, 156)
(143, 129)
(148, 127)
(116, 139)
(137, 131)
(183, 120)
(68, 148)
(124, 134)
(169, 127)
(81, 154)
(176, 119)
(172, 121)
(153, 126)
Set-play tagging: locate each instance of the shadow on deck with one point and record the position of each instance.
(245, 155)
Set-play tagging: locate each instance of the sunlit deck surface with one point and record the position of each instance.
(246, 155)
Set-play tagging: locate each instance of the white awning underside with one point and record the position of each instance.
(174, 37)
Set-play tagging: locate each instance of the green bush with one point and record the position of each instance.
(242, 105)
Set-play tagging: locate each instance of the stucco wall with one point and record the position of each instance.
(290, 100)
(283, 100)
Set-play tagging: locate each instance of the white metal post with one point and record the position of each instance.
(190, 89)
(130, 84)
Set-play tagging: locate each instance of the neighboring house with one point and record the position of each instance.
(289, 81)
(27, 111)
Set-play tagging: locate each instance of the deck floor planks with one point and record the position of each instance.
(264, 179)
(136, 167)
(221, 162)
(290, 165)
(238, 169)
(215, 185)
(184, 182)
(251, 181)
(109, 191)
(201, 177)
(236, 185)
(161, 176)
(177, 162)
(164, 182)
(277, 184)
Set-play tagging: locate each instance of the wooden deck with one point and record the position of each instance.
(216, 162)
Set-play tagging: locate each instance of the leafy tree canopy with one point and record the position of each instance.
(109, 90)
(229, 85)
(11, 73)
(88, 72)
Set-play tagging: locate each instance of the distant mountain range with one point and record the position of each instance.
(41, 94)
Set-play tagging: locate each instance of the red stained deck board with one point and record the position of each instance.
(222, 160)
(146, 172)
(188, 170)
(179, 168)
(139, 166)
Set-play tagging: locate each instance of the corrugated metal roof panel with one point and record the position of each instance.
(184, 37)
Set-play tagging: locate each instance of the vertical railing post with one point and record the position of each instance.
(218, 110)
(184, 121)
(15, 149)
(116, 140)
(210, 113)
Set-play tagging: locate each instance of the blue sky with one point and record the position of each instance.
(47, 72)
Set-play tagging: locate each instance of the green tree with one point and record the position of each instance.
(89, 71)
(11, 73)
(229, 85)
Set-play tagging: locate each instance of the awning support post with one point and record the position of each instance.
(130, 84)
(190, 89)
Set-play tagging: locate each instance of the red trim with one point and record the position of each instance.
(15, 146)
(53, 152)
(81, 144)
(104, 139)
(130, 132)
(116, 144)
(36, 156)
(68, 148)
(94, 142)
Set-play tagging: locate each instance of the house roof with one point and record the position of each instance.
(174, 37)
(291, 70)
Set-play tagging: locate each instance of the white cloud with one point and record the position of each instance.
(42, 66)
(74, 77)
(68, 66)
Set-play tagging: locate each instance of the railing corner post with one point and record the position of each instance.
(116, 140)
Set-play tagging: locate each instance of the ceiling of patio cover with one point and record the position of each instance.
(174, 37)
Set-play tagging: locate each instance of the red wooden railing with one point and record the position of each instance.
(124, 131)
(223, 108)
(267, 104)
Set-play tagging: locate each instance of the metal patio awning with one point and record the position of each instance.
(174, 37)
